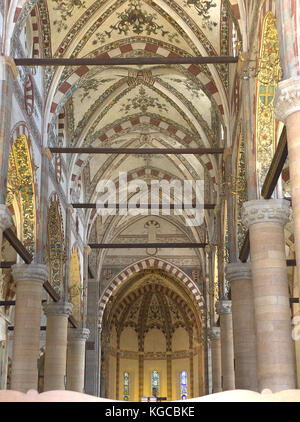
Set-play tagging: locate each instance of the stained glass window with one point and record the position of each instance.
(183, 385)
(155, 383)
(126, 386)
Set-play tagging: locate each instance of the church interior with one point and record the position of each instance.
(140, 305)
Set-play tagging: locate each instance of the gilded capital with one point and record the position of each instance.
(238, 271)
(223, 307)
(214, 333)
(78, 334)
(266, 211)
(287, 98)
(30, 272)
(58, 309)
(5, 217)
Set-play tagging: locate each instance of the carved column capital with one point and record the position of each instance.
(214, 333)
(266, 211)
(7, 62)
(287, 98)
(58, 309)
(78, 334)
(223, 307)
(238, 271)
(30, 272)
(5, 217)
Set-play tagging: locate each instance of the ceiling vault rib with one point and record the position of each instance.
(119, 61)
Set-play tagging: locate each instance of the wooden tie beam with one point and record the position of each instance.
(124, 61)
(146, 245)
(142, 206)
(145, 151)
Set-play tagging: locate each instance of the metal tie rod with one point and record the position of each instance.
(106, 61)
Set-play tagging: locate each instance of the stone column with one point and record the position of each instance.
(223, 308)
(215, 345)
(76, 358)
(26, 344)
(287, 109)
(275, 362)
(56, 345)
(244, 338)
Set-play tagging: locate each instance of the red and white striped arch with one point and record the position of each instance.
(20, 128)
(66, 87)
(35, 33)
(117, 130)
(143, 265)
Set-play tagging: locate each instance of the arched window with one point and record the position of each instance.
(183, 385)
(126, 386)
(155, 383)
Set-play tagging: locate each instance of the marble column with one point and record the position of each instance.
(76, 358)
(287, 109)
(223, 308)
(215, 346)
(56, 345)
(26, 344)
(244, 338)
(275, 361)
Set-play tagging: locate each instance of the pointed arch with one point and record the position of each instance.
(142, 265)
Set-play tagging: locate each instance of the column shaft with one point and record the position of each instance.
(215, 345)
(29, 280)
(56, 345)
(275, 361)
(227, 355)
(76, 359)
(244, 337)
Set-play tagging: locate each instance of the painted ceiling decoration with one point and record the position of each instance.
(152, 106)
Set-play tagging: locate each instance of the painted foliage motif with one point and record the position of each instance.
(269, 74)
(20, 188)
(55, 247)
